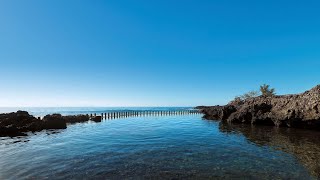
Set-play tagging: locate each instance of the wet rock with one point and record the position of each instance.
(15, 123)
(300, 110)
(97, 118)
(54, 121)
(76, 118)
(11, 131)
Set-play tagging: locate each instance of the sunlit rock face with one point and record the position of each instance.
(299, 110)
(303, 144)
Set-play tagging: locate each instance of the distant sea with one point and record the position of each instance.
(42, 111)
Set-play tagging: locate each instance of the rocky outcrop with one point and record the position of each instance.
(54, 121)
(76, 118)
(20, 122)
(14, 124)
(300, 110)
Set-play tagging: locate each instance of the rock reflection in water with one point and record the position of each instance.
(303, 144)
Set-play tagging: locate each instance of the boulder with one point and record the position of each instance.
(54, 121)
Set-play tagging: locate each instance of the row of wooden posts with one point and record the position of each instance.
(120, 114)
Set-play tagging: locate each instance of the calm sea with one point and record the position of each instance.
(159, 147)
(42, 111)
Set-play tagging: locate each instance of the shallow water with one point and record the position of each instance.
(162, 147)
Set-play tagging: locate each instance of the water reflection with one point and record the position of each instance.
(303, 144)
(7, 140)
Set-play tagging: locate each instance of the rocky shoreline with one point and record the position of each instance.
(298, 110)
(20, 122)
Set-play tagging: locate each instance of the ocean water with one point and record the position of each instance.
(42, 111)
(160, 147)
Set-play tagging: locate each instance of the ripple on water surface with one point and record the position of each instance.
(160, 147)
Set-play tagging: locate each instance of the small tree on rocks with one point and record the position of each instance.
(266, 91)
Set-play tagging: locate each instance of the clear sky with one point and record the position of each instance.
(154, 53)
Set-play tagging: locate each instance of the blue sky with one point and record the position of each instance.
(154, 53)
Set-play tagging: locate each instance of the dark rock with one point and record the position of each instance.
(76, 118)
(15, 123)
(300, 110)
(54, 121)
(218, 112)
(96, 119)
(11, 131)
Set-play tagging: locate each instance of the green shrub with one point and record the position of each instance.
(266, 91)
